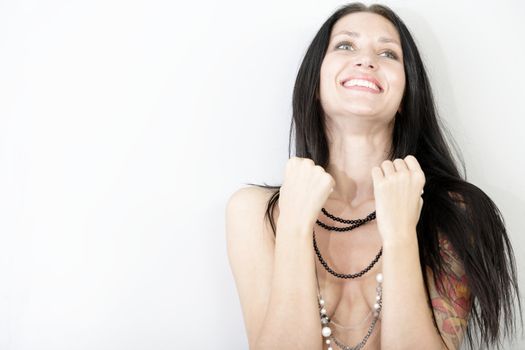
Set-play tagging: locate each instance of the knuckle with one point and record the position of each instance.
(419, 182)
(308, 161)
(319, 168)
(402, 175)
(419, 175)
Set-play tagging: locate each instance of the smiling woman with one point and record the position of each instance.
(428, 260)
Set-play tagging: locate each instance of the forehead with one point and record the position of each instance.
(366, 24)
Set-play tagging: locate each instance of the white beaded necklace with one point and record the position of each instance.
(326, 331)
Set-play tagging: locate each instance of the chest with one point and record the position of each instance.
(350, 302)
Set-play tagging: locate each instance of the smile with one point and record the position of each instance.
(361, 84)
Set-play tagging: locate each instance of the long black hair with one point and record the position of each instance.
(455, 208)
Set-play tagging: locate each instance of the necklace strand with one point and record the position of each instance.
(361, 344)
(325, 319)
(353, 327)
(342, 275)
(369, 217)
(354, 223)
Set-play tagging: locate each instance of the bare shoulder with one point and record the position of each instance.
(248, 200)
(250, 243)
(246, 207)
(245, 218)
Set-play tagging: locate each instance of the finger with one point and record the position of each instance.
(400, 165)
(307, 161)
(412, 163)
(377, 174)
(414, 167)
(388, 167)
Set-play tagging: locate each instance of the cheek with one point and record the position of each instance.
(323, 76)
(398, 81)
(328, 71)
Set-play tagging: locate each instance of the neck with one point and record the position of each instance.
(353, 154)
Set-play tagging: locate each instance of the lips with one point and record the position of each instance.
(358, 81)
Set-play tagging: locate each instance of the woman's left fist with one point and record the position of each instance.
(398, 186)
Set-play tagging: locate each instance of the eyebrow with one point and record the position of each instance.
(356, 35)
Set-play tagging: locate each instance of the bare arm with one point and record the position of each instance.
(406, 316)
(406, 303)
(250, 253)
(292, 319)
(275, 278)
(407, 321)
(452, 300)
(285, 314)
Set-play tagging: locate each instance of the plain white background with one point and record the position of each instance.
(126, 125)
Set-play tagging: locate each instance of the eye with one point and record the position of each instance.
(344, 43)
(390, 54)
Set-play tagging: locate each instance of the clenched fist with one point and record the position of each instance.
(398, 186)
(304, 191)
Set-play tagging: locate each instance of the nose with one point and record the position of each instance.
(369, 65)
(365, 60)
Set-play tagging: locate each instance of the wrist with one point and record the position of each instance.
(400, 239)
(294, 227)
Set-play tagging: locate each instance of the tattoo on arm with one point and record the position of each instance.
(450, 298)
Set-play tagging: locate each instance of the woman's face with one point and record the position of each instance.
(362, 72)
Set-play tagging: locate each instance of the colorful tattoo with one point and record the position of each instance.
(450, 299)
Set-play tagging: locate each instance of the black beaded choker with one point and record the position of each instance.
(353, 223)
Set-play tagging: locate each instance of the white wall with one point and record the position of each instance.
(126, 125)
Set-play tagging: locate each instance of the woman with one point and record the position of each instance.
(356, 260)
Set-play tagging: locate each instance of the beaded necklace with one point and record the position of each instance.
(353, 224)
(326, 331)
(342, 275)
(326, 320)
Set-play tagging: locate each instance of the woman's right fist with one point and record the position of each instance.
(304, 191)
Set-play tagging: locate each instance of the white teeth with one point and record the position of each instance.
(360, 82)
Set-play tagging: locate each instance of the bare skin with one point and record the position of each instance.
(275, 277)
(252, 259)
(452, 300)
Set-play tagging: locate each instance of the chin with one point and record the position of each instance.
(360, 111)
